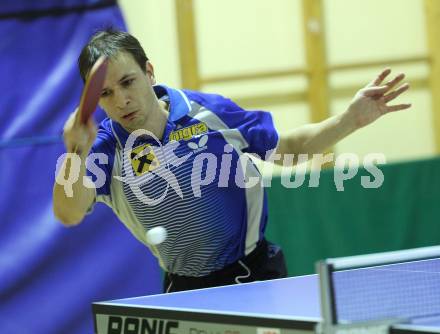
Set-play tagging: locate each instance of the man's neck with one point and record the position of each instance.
(157, 123)
(157, 120)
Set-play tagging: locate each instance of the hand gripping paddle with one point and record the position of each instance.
(92, 91)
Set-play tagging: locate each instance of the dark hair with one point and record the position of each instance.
(109, 42)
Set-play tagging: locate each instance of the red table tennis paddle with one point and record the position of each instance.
(92, 89)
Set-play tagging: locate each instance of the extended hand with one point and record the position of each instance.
(371, 102)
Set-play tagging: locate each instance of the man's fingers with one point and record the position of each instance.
(396, 93)
(91, 124)
(375, 91)
(78, 136)
(398, 107)
(76, 116)
(392, 83)
(381, 77)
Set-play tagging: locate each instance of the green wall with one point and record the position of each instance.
(316, 223)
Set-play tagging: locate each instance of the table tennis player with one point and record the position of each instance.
(214, 230)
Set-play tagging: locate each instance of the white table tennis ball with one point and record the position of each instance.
(156, 235)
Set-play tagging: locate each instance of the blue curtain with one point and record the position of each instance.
(49, 274)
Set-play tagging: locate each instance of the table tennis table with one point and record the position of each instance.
(282, 306)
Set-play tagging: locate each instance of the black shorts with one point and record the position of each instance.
(263, 263)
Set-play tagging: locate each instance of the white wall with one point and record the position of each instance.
(243, 36)
(153, 23)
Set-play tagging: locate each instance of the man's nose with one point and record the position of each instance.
(122, 99)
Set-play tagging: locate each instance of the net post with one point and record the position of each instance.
(328, 310)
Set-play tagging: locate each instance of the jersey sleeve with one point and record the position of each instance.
(256, 127)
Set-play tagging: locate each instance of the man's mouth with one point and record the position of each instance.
(130, 115)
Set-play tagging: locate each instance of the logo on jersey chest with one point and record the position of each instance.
(143, 159)
(200, 145)
(189, 132)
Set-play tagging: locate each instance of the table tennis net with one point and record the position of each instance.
(403, 291)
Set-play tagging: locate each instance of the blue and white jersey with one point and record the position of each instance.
(196, 178)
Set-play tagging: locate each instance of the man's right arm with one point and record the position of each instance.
(71, 207)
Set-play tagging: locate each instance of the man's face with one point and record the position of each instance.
(128, 97)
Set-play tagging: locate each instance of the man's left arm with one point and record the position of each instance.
(370, 103)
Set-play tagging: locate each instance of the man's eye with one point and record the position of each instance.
(127, 82)
(104, 94)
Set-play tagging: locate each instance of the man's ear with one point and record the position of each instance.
(150, 72)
